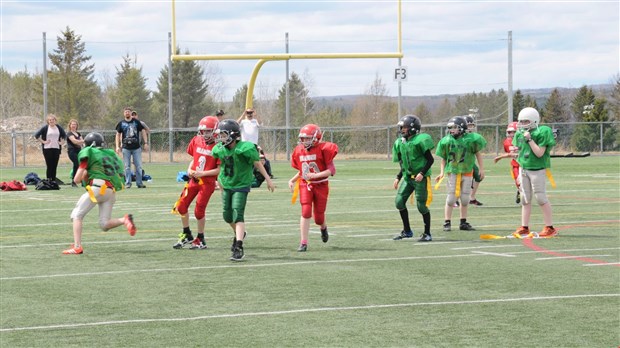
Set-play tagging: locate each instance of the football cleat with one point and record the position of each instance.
(521, 232)
(403, 235)
(548, 232)
(73, 250)
(183, 240)
(302, 248)
(324, 235)
(466, 227)
(198, 243)
(131, 227)
(425, 238)
(237, 254)
(447, 227)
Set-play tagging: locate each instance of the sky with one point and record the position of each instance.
(450, 47)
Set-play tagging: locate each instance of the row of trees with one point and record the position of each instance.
(73, 92)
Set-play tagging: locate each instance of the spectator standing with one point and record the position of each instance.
(52, 137)
(249, 124)
(134, 115)
(74, 145)
(220, 115)
(100, 172)
(128, 132)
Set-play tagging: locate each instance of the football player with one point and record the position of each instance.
(238, 158)
(459, 151)
(202, 172)
(472, 128)
(533, 144)
(101, 173)
(413, 152)
(314, 162)
(511, 129)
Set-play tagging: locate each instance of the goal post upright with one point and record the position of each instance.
(265, 57)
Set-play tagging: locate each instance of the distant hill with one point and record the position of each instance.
(433, 101)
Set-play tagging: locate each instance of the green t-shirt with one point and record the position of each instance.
(543, 136)
(460, 154)
(236, 170)
(103, 164)
(410, 153)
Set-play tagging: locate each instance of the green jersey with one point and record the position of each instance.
(543, 137)
(410, 153)
(460, 154)
(103, 164)
(236, 170)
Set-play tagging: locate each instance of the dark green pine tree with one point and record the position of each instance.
(130, 90)
(190, 99)
(72, 90)
(301, 105)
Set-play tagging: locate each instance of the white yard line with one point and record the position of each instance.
(306, 310)
(492, 254)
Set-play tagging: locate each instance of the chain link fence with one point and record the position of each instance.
(20, 149)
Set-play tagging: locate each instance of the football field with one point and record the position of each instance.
(360, 289)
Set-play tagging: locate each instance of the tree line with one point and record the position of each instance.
(73, 92)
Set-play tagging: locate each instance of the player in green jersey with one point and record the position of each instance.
(459, 151)
(238, 159)
(101, 172)
(413, 152)
(533, 144)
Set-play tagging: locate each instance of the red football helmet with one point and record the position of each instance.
(512, 127)
(207, 127)
(310, 135)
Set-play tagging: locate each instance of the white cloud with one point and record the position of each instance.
(450, 47)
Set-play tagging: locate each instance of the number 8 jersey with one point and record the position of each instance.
(314, 160)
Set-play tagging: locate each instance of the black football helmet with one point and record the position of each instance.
(471, 123)
(227, 132)
(94, 139)
(409, 125)
(457, 126)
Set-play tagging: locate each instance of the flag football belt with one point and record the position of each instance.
(102, 184)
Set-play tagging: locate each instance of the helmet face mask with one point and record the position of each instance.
(94, 139)
(511, 129)
(227, 132)
(409, 125)
(457, 126)
(471, 124)
(310, 135)
(528, 119)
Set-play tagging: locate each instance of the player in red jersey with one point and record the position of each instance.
(314, 161)
(510, 133)
(202, 171)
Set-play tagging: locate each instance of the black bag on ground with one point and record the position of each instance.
(47, 185)
(32, 178)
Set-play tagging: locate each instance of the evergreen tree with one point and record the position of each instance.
(585, 97)
(72, 90)
(190, 99)
(555, 109)
(130, 90)
(301, 106)
(422, 112)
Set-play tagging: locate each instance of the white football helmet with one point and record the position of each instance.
(528, 118)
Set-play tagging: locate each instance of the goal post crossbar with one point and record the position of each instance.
(265, 57)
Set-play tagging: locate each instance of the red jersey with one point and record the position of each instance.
(507, 146)
(315, 160)
(202, 157)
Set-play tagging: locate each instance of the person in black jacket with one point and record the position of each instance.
(52, 138)
(74, 145)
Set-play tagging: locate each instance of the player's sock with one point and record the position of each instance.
(427, 223)
(404, 215)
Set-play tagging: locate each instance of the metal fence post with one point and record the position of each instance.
(13, 150)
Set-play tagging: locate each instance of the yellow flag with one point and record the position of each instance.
(429, 192)
(439, 182)
(91, 194)
(457, 191)
(550, 177)
(295, 191)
